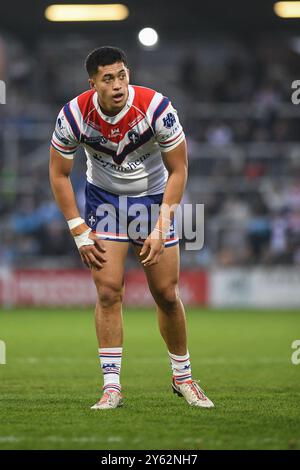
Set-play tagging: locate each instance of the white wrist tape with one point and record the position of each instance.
(163, 233)
(84, 239)
(73, 223)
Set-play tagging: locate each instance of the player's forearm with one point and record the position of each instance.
(175, 188)
(176, 162)
(172, 196)
(64, 196)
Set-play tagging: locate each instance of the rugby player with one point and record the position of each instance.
(135, 147)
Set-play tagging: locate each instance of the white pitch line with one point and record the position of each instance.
(110, 439)
(4, 439)
(204, 361)
(78, 440)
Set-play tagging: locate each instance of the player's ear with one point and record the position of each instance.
(92, 83)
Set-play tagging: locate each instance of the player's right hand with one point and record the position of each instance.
(93, 255)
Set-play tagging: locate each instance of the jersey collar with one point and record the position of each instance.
(121, 114)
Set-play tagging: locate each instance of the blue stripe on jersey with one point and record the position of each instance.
(100, 148)
(71, 121)
(147, 135)
(159, 110)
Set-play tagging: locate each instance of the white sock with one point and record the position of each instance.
(110, 361)
(181, 367)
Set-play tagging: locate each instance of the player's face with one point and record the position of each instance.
(111, 84)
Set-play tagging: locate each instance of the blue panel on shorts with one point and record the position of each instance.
(123, 218)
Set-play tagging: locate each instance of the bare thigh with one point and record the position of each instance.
(111, 276)
(165, 273)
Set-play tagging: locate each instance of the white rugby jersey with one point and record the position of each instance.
(123, 151)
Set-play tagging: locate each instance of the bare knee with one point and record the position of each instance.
(109, 294)
(167, 297)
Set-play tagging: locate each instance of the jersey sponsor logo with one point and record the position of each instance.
(170, 133)
(60, 123)
(133, 136)
(130, 166)
(133, 165)
(169, 120)
(65, 141)
(62, 139)
(95, 140)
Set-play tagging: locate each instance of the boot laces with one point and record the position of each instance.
(197, 391)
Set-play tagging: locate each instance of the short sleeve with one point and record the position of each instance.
(168, 130)
(64, 139)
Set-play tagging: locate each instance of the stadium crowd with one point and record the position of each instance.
(243, 139)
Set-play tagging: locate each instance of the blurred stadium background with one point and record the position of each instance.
(228, 68)
(229, 71)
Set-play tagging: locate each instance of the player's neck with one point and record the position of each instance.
(111, 111)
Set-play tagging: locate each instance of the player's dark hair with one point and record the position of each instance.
(102, 56)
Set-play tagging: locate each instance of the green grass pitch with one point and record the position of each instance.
(242, 358)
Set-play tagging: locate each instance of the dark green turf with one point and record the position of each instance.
(243, 359)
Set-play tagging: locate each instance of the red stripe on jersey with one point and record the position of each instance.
(124, 125)
(85, 102)
(120, 128)
(143, 97)
(142, 100)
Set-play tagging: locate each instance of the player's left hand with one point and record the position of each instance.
(154, 246)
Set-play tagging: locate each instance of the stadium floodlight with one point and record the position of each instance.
(113, 12)
(148, 37)
(287, 9)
